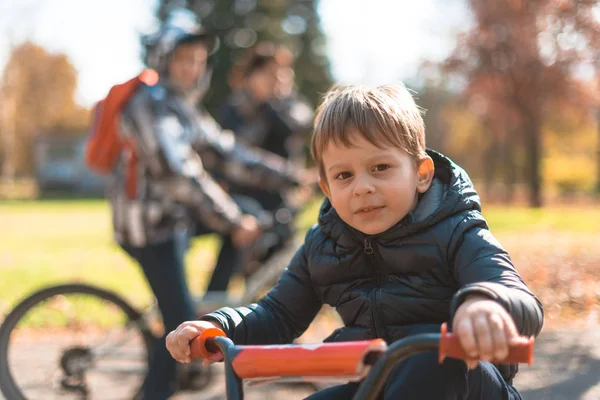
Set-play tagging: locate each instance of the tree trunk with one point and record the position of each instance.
(510, 167)
(533, 150)
(490, 162)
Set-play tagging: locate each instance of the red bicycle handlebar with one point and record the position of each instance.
(343, 359)
(202, 346)
(367, 360)
(518, 353)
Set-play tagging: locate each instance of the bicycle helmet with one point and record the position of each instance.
(180, 27)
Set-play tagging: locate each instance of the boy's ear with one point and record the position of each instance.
(324, 187)
(425, 173)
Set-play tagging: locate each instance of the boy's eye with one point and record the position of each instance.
(343, 175)
(381, 167)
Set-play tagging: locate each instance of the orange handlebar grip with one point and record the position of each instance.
(198, 345)
(521, 352)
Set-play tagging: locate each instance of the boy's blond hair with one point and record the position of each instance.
(383, 115)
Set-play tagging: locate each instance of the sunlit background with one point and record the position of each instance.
(504, 85)
(383, 42)
(510, 89)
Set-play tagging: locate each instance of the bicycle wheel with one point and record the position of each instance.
(73, 341)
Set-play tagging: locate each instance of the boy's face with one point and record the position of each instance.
(188, 64)
(263, 81)
(372, 188)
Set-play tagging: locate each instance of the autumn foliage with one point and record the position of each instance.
(524, 63)
(37, 95)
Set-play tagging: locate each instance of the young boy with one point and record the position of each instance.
(400, 247)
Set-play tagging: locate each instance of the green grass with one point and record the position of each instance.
(572, 219)
(48, 242)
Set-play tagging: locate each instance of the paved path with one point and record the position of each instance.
(566, 367)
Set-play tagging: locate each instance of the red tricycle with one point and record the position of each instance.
(369, 361)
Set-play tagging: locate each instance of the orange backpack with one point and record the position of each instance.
(105, 145)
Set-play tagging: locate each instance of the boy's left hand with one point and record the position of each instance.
(485, 329)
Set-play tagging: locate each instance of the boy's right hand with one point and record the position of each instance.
(246, 232)
(485, 330)
(178, 341)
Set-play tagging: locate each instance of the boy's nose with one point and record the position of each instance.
(363, 186)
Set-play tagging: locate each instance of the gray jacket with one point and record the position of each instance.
(178, 147)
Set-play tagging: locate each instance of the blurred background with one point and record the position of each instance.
(510, 88)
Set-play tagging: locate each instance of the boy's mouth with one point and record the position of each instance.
(368, 209)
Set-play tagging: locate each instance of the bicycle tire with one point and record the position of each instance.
(8, 386)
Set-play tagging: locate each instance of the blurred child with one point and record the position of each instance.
(169, 194)
(263, 111)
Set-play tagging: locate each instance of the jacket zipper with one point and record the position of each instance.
(368, 249)
(379, 329)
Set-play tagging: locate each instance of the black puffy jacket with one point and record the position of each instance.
(406, 280)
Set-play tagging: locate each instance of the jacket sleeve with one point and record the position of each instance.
(241, 164)
(279, 317)
(482, 267)
(174, 165)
